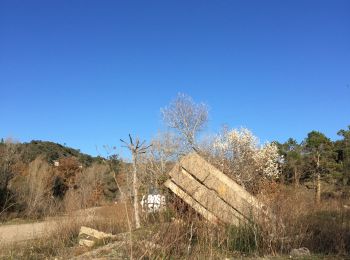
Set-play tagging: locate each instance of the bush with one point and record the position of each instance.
(244, 238)
(329, 231)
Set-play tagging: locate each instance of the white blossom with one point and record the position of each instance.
(240, 154)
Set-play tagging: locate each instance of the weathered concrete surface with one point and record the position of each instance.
(86, 231)
(213, 194)
(89, 237)
(190, 201)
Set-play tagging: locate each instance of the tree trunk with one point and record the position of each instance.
(318, 189)
(296, 177)
(135, 191)
(282, 177)
(318, 181)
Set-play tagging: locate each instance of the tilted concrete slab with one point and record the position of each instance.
(213, 194)
(190, 201)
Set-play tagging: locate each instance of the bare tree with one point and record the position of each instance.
(38, 189)
(165, 148)
(187, 117)
(136, 149)
(8, 159)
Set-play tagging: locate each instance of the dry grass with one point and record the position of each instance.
(323, 228)
(63, 241)
(179, 233)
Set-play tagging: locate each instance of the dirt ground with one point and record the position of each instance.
(22, 232)
(12, 233)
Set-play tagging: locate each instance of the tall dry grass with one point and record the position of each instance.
(180, 233)
(63, 240)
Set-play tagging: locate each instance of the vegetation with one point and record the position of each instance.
(51, 152)
(305, 185)
(39, 178)
(317, 159)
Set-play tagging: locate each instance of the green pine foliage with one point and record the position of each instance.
(52, 151)
(300, 159)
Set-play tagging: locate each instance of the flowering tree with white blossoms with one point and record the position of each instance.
(237, 152)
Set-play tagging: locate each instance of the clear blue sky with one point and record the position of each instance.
(87, 73)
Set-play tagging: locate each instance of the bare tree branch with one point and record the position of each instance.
(187, 117)
(136, 150)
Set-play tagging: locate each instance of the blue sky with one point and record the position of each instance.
(87, 73)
